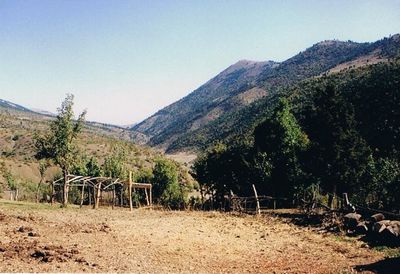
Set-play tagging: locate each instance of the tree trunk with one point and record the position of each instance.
(38, 190)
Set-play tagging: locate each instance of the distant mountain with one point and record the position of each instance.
(6, 105)
(44, 112)
(230, 103)
(16, 113)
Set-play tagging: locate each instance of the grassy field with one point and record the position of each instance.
(41, 237)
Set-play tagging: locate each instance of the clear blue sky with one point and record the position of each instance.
(124, 60)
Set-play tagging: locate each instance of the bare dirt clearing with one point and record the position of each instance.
(43, 238)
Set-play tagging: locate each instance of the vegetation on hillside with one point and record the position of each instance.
(95, 151)
(340, 132)
(212, 114)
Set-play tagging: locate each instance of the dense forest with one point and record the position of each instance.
(340, 132)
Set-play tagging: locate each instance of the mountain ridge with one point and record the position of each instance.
(223, 97)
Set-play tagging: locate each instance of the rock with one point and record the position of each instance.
(24, 229)
(378, 227)
(395, 228)
(361, 228)
(377, 217)
(387, 232)
(351, 220)
(33, 234)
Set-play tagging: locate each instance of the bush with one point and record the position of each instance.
(166, 188)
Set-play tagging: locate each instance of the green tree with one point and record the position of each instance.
(338, 154)
(166, 186)
(59, 145)
(115, 164)
(282, 139)
(87, 166)
(43, 166)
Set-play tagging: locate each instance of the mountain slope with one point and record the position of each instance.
(231, 102)
(6, 105)
(209, 101)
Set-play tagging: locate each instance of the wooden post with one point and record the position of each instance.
(346, 199)
(147, 197)
(130, 191)
(52, 193)
(90, 196)
(97, 203)
(274, 204)
(83, 192)
(258, 211)
(151, 195)
(113, 199)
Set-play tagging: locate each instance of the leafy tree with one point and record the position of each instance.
(338, 154)
(382, 187)
(223, 169)
(166, 187)
(59, 145)
(144, 175)
(86, 166)
(282, 139)
(114, 165)
(43, 166)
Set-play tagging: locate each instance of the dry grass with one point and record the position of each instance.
(41, 238)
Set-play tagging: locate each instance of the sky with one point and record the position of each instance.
(124, 60)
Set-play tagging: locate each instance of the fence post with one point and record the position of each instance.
(258, 211)
(346, 199)
(130, 191)
(82, 194)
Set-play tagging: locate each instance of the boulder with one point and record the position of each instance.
(387, 232)
(361, 228)
(377, 217)
(378, 227)
(351, 220)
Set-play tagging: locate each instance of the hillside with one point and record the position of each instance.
(8, 106)
(18, 125)
(230, 103)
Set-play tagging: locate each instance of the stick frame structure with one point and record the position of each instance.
(100, 184)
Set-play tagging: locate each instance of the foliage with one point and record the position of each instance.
(87, 166)
(173, 125)
(166, 188)
(59, 144)
(144, 175)
(338, 131)
(338, 154)
(115, 164)
(223, 169)
(281, 137)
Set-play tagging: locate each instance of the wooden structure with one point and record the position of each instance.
(253, 204)
(102, 184)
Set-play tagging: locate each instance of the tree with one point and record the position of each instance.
(114, 165)
(166, 187)
(43, 166)
(59, 145)
(338, 154)
(282, 139)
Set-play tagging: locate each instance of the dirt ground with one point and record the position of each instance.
(42, 238)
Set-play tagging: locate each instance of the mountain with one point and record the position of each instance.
(230, 103)
(6, 105)
(229, 90)
(44, 112)
(12, 113)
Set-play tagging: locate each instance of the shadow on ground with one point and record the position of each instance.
(385, 266)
